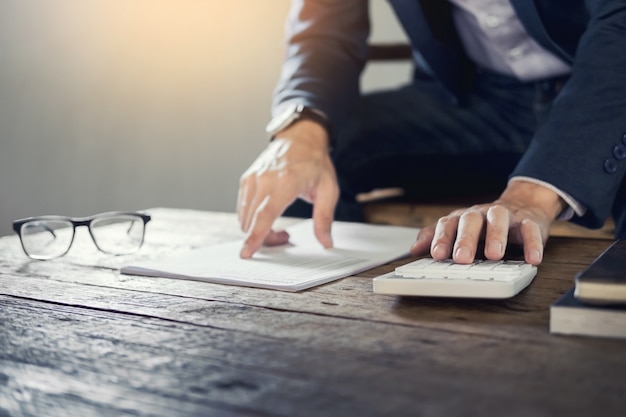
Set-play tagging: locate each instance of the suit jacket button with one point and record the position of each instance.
(610, 166)
(619, 152)
(624, 139)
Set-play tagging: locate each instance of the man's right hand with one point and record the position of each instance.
(295, 164)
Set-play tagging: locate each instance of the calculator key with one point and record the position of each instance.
(480, 279)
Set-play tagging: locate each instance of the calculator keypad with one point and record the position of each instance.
(480, 279)
(483, 270)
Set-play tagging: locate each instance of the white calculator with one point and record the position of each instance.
(481, 279)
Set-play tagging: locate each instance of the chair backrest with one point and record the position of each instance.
(390, 52)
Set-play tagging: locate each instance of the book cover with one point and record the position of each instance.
(569, 316)
(604, 280)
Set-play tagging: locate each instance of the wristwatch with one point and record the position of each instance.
(293, 112)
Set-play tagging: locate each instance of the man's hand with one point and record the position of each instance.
(522, 215)
(295, 164)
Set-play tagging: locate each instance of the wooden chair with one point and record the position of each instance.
(389, 52)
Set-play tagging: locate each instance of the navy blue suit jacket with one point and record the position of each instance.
(581, 149)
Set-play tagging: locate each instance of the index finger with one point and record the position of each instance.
(270, 208)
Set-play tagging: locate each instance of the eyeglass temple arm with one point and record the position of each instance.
(47, 229)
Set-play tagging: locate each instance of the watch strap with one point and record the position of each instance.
(294, 113)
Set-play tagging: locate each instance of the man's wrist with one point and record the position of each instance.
(306, 131)
(536, 195)
(293, 113)
(574, 207)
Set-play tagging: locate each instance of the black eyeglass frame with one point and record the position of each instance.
(77, 222)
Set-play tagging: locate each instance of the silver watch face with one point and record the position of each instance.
(284, 119)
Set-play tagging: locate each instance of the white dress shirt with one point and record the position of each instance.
(494, 38)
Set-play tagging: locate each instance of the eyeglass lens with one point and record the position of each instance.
(47, 239)
(117, 234)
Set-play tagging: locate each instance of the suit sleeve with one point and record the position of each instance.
(581, 149)
(325, 53)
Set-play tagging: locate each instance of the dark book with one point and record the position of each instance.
(604, 280)
(570, 316)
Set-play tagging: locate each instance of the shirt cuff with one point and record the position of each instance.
(574, 206)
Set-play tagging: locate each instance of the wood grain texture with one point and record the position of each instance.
(81, 340)
(424, 214)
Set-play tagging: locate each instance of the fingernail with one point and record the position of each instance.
(440, 251)
(462, 254)
(245, 253)
(329, 239)
(535, 256)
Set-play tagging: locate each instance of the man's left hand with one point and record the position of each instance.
(522, 215)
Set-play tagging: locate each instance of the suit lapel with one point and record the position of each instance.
(536, 16)
(429, 26)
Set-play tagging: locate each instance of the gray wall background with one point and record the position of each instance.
(132, 104)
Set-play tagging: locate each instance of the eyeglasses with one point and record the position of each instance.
(49, 237)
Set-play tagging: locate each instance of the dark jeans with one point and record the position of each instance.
(416, 138)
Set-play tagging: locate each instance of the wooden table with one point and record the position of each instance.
(81, 340)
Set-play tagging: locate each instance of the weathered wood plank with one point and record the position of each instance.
(83, 359)
(84, 340)
(350, 297)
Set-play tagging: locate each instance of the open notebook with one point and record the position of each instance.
(301, 264)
